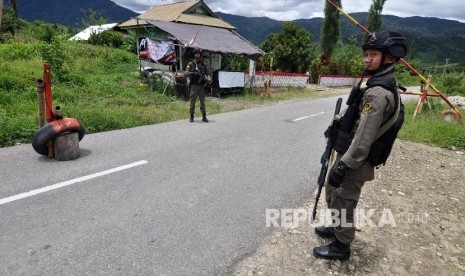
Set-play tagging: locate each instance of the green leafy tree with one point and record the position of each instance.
(54, 54)
(9, 21)
(348, 58)
(1, 13)
(14, 6)
(13, 12)
(413, 49)
(374, 15)
(330, 32)
(235, 62)
(291, 49)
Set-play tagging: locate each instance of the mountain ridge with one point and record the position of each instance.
(69, 12)
(436, 39)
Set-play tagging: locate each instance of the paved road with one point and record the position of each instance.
(170, 199)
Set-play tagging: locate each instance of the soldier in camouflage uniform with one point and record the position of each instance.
(197, 72)
(351, 169)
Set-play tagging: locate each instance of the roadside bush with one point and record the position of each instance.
(130, 42)
(346, 60)
(160, 84)
(39, 30)
(107, 38)
(10, 82)
(453, 84)
(349, 59)
(54, 54)
(14, 51)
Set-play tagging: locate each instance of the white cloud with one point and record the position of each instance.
(296, 9)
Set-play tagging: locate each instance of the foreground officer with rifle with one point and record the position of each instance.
(367, 130)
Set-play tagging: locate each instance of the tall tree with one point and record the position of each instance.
(330, 32)
(1, 13)
(413, 49)
(290, 49)
(374, 15)
(9, 19)
(14, 6)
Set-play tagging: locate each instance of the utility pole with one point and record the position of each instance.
(444, 72)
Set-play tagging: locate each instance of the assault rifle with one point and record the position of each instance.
(344, 135)
(325, 159)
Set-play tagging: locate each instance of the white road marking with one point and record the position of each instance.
(70, 182)
(306, 117)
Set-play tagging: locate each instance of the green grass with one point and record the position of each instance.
(101, 87)
(429, 128)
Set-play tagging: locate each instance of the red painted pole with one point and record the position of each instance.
(48, 93)
(48, 103)
(410, 67)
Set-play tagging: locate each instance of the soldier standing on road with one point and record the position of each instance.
(197, 73)
(379, 103)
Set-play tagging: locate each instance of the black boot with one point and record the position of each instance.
(333, 251)
(325, 232)
(204, 118)
(192, 118)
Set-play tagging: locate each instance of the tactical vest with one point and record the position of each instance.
(381, 148)
(199, 72)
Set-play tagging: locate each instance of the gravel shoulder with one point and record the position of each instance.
(422, 186)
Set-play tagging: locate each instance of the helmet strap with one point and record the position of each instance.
(382, 65)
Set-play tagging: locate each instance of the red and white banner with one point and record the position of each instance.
(157, 50)
(189, 44)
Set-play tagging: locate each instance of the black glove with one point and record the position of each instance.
(323, 158)
(327, 132)
(337, 174)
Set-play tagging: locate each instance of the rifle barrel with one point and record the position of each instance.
(324, 166)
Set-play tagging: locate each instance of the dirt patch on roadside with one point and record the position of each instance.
(423, 188)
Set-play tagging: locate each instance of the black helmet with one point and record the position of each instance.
(390, 42)
(196, 50)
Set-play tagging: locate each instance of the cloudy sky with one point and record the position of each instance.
(296, 9)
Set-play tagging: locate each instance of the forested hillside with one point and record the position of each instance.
(435, 39)
(69, 12)
(432, 39)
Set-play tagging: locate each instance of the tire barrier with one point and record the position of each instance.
(51, 130)
(450, 116)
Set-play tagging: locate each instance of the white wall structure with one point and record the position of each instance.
(85, 34)
(338, 80)
(279, 79)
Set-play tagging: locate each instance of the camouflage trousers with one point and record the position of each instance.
(344, 198)
(197, 90)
